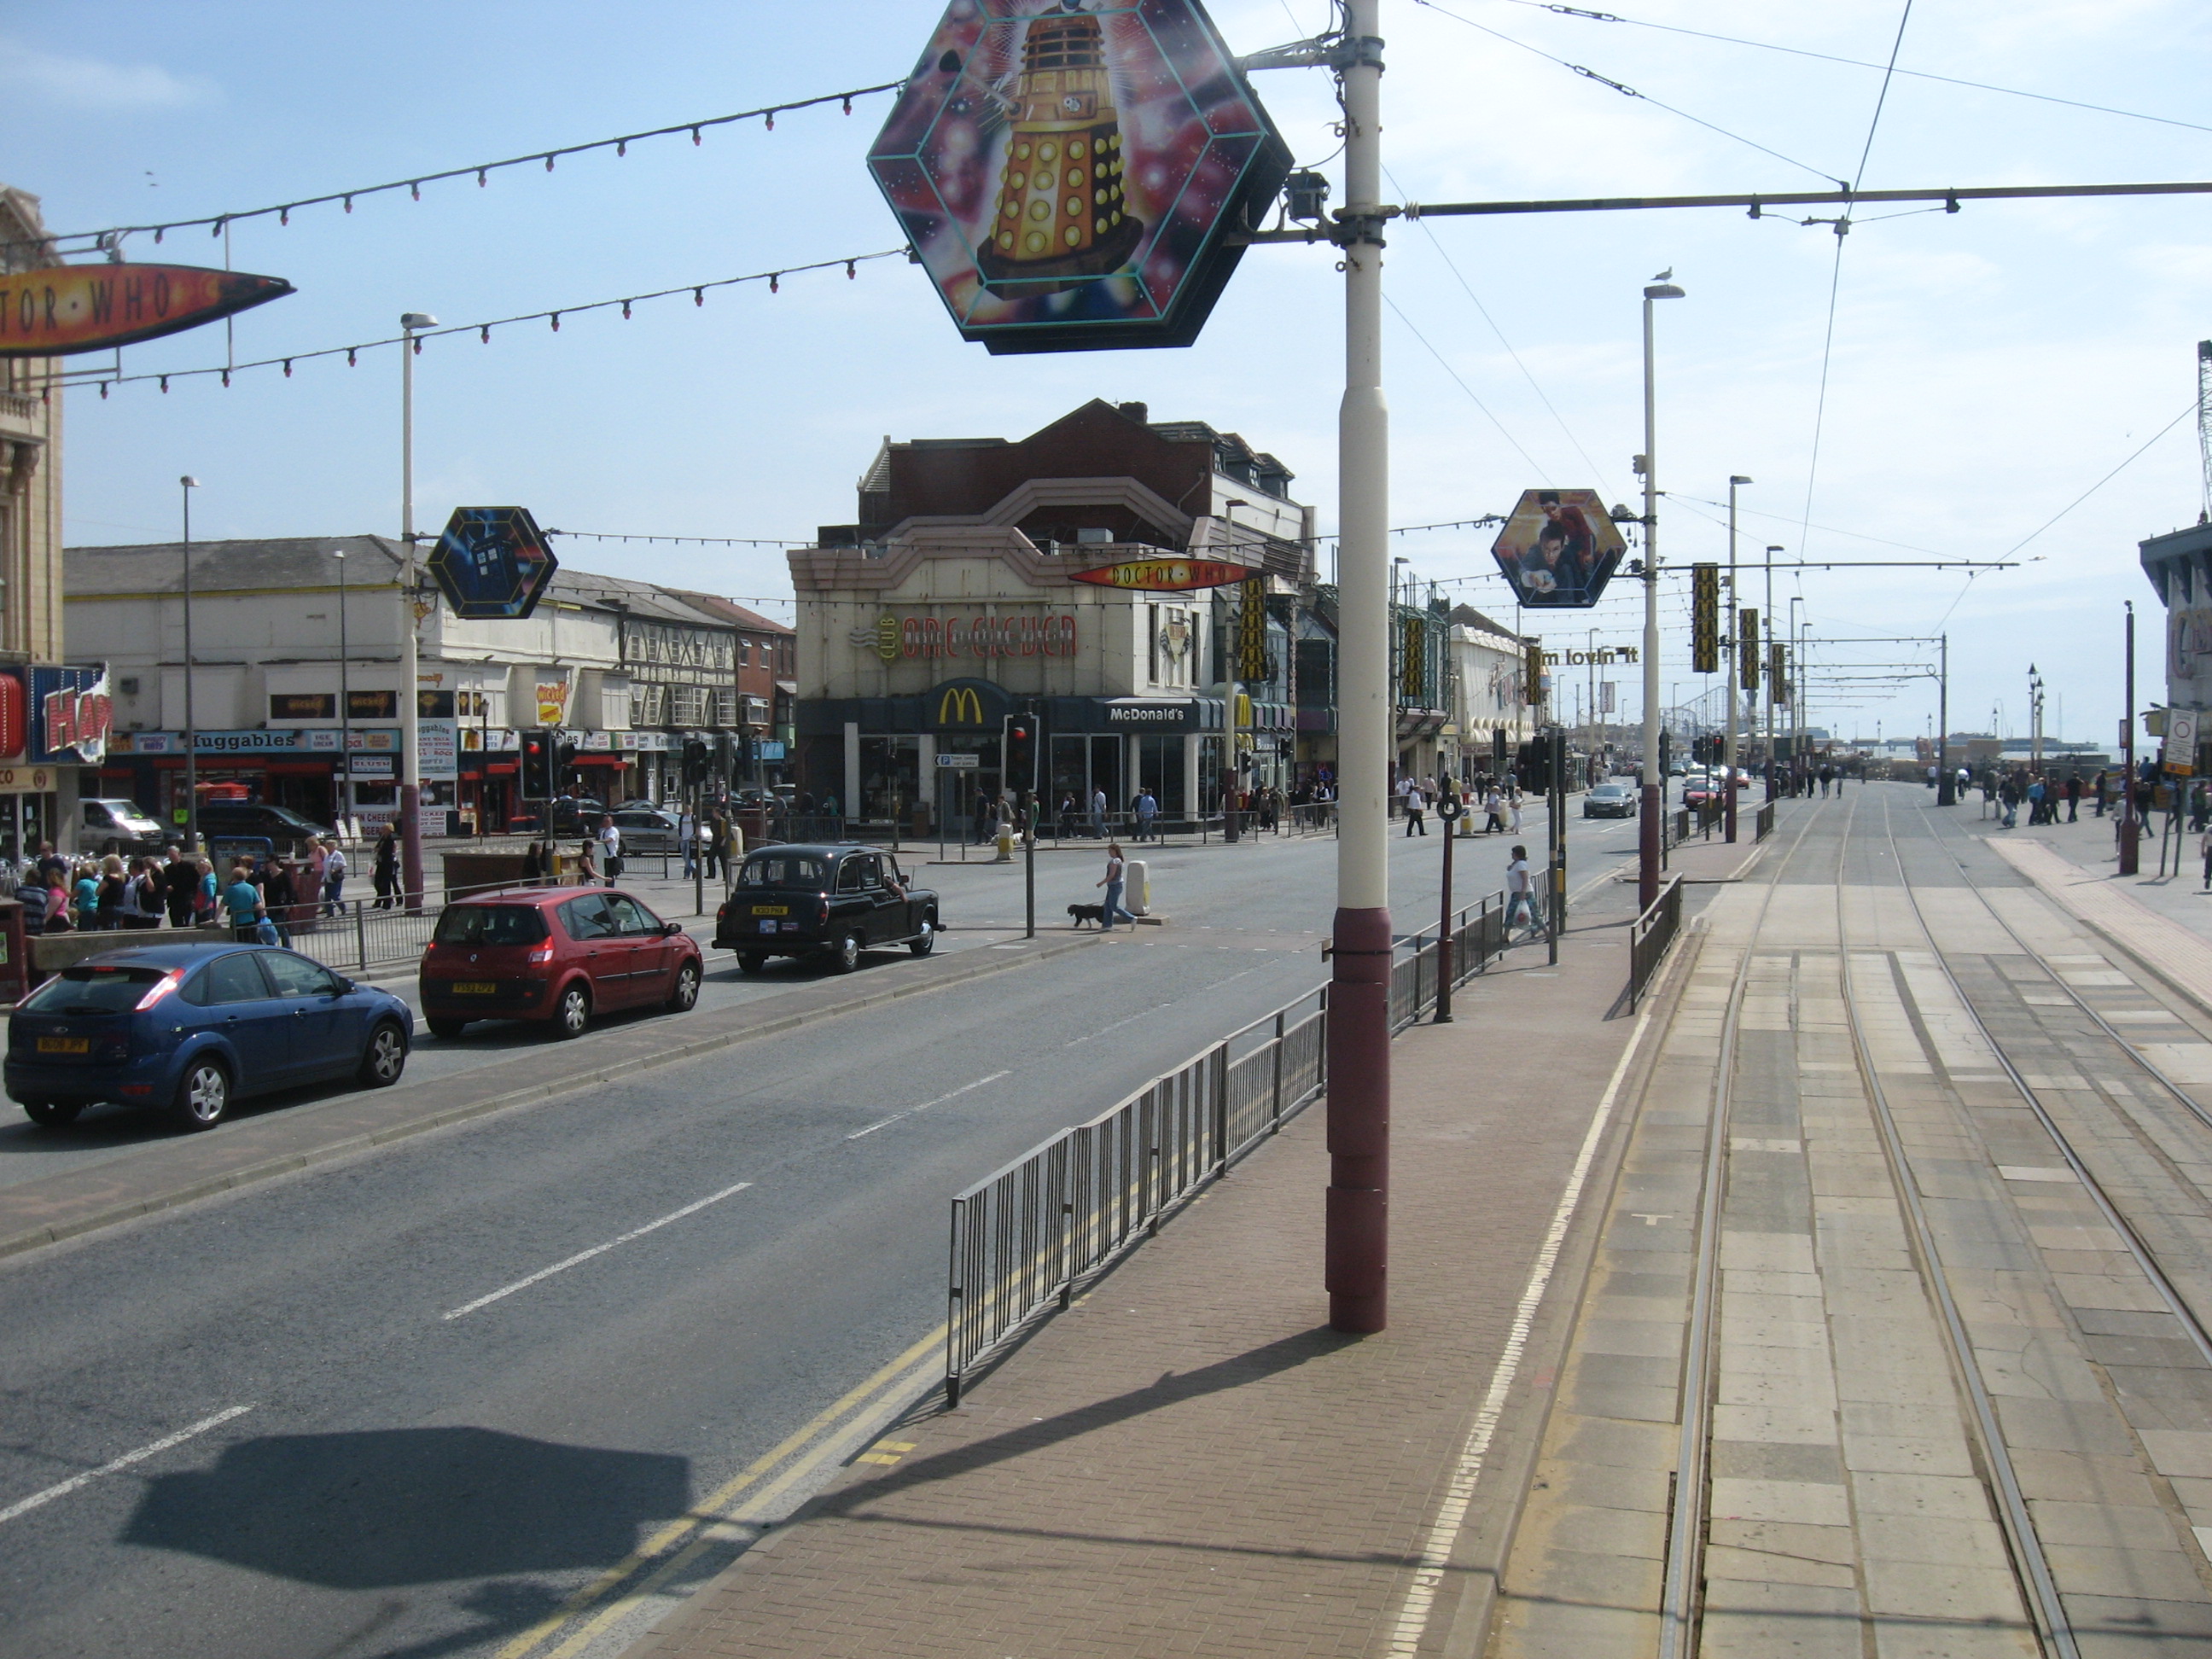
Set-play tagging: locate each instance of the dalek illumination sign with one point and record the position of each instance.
(1704, 619)
(1777, 672)
(1747, 649)
(1252, 634)
(1067, 171)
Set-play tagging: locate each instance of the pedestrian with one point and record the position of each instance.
(1521, 893)
(1099, 814)
(2008, 794)
(1988, 793)
(533, 864)
(1513, 812)
(2097, 785)
(207, 898)
(687, 837)
(334, 875)
(1494, 808)
(108, 896)
(1416, 811)
(610, 848)
(2036, 791)
(2204, 846)
(1112, 881)
(718, 847)
(385, 872)
(243, 901)
(179, 880)
(1148, 810)
(144, 903)
(587, 862)
(269, 875)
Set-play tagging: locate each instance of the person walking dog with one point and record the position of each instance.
(1113, 881)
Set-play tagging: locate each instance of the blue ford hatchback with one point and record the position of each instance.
(195, 1027)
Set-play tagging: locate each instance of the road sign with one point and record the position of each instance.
(1166, 575)
(61, 309)
(1067, 176)
(959, 762)
(492, 563)
(2180, 742)
(1559, 549)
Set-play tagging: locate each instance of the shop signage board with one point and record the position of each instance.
(69, 715)
(1166, 575)
(438, 745)
(1559, 549)
(62, 309)
(1015, 633)
(492, 563)
(1068, 172)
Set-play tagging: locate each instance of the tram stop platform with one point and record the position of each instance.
(1187, 1460)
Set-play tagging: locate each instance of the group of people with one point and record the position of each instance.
(118, 894)
(1498, 800)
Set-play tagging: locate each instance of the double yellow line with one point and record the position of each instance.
(747, 1497)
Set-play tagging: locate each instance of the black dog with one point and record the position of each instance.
(1093, 914)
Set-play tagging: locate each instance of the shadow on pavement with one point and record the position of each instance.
(390, 1507)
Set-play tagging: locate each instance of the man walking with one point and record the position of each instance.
(1099, 814)
(611, 848)
(334, 875)
(1416, 811)
(1147, 810)
(180, 878)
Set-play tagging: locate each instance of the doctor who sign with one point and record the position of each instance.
(1067, 170)
(62, 309)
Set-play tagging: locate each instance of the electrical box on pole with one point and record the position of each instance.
(1704, 619)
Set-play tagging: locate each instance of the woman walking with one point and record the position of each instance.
(1113, 881)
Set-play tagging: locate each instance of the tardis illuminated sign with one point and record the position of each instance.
(492, 563)
(1067, 171)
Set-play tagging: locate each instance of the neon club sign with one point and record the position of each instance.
(1025, 633)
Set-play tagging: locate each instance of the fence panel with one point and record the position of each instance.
(1653, 931)
(1766, 822)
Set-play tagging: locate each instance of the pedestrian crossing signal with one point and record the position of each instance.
(1704, 618)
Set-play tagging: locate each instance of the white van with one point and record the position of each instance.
(106, 824)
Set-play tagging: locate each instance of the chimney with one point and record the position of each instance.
(1140, 413)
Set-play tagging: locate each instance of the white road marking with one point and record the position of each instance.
(24, 1506)
(927, 1105)
(563, 1266)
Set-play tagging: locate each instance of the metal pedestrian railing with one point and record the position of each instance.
(1766, 822)
(1022, 1238)
(1652, 932)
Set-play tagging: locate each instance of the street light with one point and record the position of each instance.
(1734, 632)
(192, 726)
(1649, 828)
(345, 706)
(1770, 680)
(410, 754)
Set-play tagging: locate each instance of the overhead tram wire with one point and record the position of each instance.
(218, 222)
(1854, 63)
(1541, 471)
(482, 330)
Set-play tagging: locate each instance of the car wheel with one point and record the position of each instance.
(386, 1057)
(751, 962)
(686, 995)
(923, 942)
(448, 1029)
(52, 1114)
(573, 1014)
(203, 1098)
(845, 955)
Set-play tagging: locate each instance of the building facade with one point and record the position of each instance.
(284, 680)
(957, 599)
(1489, 714)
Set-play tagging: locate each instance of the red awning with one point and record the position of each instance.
(504, 768)
(600, 760)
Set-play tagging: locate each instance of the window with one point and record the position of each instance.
(373, 705)
(745, 652)
(92, 990)
(491, 923)
(235, 978)
(303, 705)
(726, 707)
(295, 976)
(434, 705)
(852, 874)
(631, 917)
(587, 918)
(782, 870)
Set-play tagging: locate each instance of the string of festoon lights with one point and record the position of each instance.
(698, 292)
(110, 238)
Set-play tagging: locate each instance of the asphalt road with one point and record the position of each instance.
(467, 1375)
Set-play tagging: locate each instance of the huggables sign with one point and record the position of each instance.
(64, 309)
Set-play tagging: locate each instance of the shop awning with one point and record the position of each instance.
(600, 760)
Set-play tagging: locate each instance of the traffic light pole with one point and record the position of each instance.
(1357, 1231)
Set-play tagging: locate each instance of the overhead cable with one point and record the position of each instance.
(283, 210)
(482, 330)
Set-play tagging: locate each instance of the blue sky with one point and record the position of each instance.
(1986, 367)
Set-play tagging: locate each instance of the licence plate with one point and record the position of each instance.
(474, 988)
(64, 1045)
(771, 909)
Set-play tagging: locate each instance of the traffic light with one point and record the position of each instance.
(1747, 649)
(536, 769)
(1019, 753)
(1704, 618)
(1532, 765)
(695, 762)
(564, 758)
(1666, 755)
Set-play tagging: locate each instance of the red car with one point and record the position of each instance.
(561, 954)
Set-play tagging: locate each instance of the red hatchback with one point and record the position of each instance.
(556, 953)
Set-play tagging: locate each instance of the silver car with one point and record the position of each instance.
(647, 830)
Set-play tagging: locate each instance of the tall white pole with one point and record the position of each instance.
(1733, 628)
(1357, 1224)
(410, 753)
(191, 724)
(1650, 826)
(345, 708)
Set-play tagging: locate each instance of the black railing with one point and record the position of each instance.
(1652, 932)
(1024, 1238)
(1766, 822)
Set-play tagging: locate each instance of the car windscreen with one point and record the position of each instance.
(784, 870)
(490, 924)
(85, 990)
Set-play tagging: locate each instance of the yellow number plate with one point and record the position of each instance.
(474, 988)
(771, 909)
(64, 1045)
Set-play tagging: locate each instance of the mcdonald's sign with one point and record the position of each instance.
(967, 706)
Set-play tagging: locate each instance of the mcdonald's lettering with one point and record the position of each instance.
(960, 706)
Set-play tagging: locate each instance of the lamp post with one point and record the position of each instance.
(192, 726)
(1357, 1248)
(1793, 658)
(1727, 674)
(2129, 851)
(411, 753)
(2035, 721)
(345, 706)
(1773, 683)
(1947, 786)
(1649, 828)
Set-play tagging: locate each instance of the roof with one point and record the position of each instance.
(731, 612)
(166, 956)
(1468, 617)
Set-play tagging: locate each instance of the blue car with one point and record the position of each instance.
(196, 1027)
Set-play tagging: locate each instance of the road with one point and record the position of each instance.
(470, 1374)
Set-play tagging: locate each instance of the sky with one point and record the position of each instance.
(1932, 386)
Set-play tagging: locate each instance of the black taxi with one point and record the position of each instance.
(798, 900)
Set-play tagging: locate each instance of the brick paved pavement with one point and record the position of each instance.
(1188, 1460)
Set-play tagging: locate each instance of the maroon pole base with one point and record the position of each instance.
(1357, 1257)
(1649, 830)
(410, 846)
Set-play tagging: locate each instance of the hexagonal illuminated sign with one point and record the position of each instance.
(1559, 549)
(492, 563)
(1065, 171)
